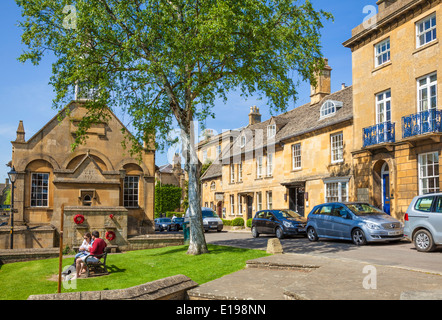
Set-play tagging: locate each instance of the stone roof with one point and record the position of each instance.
(298, 121)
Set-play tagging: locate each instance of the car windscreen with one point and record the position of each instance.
(364, 209)
(178, 219)
(287, 214)
(209, 214)
(164, 220)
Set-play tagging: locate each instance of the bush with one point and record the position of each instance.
(227, 222)
(238, 222)
(249, 223)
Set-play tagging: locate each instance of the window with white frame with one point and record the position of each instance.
(213, 186)
(130, 191)
(296, 156)
(336, 191)
(429, 173)
(427, 92)
(232, 204)
(259, 167)
(218, 150)
(240, 172)
(337, 147)
(258, 201)
(269, 200)
(269, 164)
(232, 173)
(204, 156)
(239, 204)
(39, 190)
(382, 52)
(383, 107)
(271, 130)
(426, 31)
(328, 109)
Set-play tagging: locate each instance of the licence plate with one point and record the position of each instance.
(213, 227)
(301, 229)
(394, 233)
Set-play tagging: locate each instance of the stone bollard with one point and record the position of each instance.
(274, 246)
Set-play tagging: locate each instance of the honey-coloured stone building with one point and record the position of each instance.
(99, 182)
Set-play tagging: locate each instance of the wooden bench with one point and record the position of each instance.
(97, 267)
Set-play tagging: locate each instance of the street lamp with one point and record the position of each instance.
(12, 177)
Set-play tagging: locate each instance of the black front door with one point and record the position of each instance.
(249, 207)
(296, 200)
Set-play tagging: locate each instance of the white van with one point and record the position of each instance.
(211, 221)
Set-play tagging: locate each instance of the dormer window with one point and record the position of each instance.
(271, 130)
(329, 108)
(243, 141)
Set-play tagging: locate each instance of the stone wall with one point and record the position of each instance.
(171, 288)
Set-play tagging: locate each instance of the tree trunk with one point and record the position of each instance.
(197, 244)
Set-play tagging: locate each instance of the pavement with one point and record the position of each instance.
(291, 276)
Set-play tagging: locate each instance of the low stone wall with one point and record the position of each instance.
(151, 241)
(18, 255)
(148, 241)
(28, 237)
(171, 288)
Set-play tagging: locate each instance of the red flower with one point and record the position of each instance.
(79, 219)
(111, 216)
(110, 235)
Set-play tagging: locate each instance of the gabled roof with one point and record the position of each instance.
(298, 121)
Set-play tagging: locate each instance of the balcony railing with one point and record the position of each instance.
(380, 133)
(428, 121)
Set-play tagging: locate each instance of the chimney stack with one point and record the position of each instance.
(323, 84)
(20, 132)
(254, 115)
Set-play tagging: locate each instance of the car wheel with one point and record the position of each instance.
(311, 234)
(358, 237)
(423, 241)
(279, 233)
(255, 233)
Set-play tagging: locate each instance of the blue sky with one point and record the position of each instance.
(26, 95)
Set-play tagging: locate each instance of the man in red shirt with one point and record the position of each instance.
(98, 247)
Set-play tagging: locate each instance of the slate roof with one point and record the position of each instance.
(298, 121)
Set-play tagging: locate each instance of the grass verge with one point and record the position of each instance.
(21, 279)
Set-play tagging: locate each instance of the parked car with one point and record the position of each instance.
(279, 222)
(356, 221)
(162, 224)
(177, 224)
(423, 222)
(211, 221)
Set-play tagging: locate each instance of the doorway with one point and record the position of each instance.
(249, 207)
(296, 200)
(385, 179)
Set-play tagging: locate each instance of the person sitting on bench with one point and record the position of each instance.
(97, 248)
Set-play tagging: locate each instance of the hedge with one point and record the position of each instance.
(167, 198)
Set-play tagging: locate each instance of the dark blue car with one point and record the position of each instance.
(279, 222)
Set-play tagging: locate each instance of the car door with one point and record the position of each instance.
(323, 223)
(270, 222)
(340, 224)
(260, 221)
(436, 221)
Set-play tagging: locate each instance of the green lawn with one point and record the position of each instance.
(22, 279)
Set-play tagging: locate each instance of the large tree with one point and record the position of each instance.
(164, 60)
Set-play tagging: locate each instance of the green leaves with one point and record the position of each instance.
(166, 59)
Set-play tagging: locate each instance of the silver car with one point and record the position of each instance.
(356, 221)
(423, 222)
